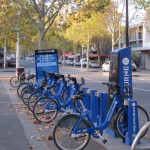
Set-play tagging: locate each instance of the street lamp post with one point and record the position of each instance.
(127, 25)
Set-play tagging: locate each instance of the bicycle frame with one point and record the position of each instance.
(117, 102)
(62, 86)
(74, 89)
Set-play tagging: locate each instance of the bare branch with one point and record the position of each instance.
(33, 20)
(54, 15)
(37, 8)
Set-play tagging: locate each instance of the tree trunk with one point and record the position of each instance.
(41, 40)
(113, 41)
(88, 47)
(99, 59)
(63, 62)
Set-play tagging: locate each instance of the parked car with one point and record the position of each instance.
(11, 62)
(78, 63)
(93, 64)
(106, 66)
(71, 62)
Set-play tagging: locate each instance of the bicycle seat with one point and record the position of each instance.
(31, 77)
(78, 97)
(51, 74)
(62, 76)
(73, 79)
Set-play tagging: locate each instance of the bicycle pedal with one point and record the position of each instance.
(104, 141)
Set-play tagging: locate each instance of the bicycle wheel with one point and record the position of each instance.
(33, 98)
(26, 94)
(22, 77)
(121, 120)
(42, 110)
(62, 133)
(21, 87)
(14, 82)
(65, 95)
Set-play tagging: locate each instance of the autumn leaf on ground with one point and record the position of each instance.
(30, 147)
(40, 139)
(35, 121)
(47, 118)
(50, 137)
(40, 129)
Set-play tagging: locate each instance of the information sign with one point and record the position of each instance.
(45, 60)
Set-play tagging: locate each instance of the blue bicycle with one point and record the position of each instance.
(47, 108)
(72, 132)
(39, 87)
(47, 92)
(28, 82)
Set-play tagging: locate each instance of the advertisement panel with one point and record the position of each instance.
(45, 60)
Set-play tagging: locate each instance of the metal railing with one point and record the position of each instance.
(146, 126)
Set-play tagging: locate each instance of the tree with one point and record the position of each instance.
(83, 32)
(113, 20)
(41, 13)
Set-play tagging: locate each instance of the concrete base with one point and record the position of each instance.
(117, 144)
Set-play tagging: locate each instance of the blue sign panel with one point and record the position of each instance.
(121, 69)
(45, 60)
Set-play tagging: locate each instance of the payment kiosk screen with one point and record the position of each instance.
(113, 73)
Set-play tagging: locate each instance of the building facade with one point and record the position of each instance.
(139, 40)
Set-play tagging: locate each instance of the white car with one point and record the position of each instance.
(106, 66)
(78, 63)
(93, 64)
(71, 62)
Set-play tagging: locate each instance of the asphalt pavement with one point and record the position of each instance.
(19, 130)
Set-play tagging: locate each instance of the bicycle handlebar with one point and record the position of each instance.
(114, 86)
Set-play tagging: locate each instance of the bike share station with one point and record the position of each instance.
(45, 60)
(98, 103)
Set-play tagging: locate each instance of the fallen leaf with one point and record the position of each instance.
(40, 139)
(40, 129)
(35, 122)
(47, 118)
(50, 137)
(30, 147)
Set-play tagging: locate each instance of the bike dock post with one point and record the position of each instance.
(102, 100)
(93, 105)
(133, 124)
